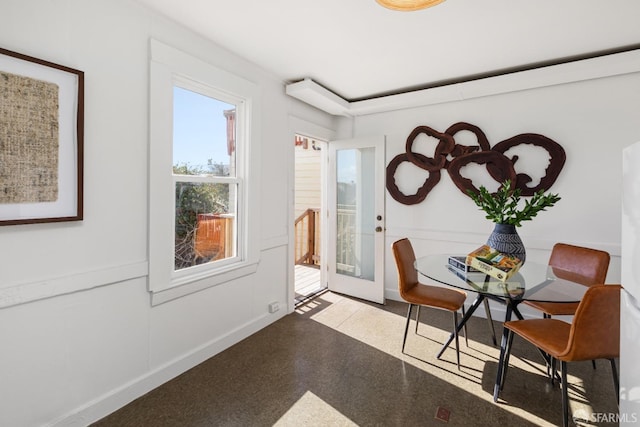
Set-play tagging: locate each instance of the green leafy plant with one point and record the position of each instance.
(503, 206)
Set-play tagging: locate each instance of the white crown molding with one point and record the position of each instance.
(317, 96)
(575, 71)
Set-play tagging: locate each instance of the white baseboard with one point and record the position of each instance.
(117, 398)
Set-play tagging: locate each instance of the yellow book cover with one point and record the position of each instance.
(490, 261)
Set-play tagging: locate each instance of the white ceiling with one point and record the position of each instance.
(359, 50)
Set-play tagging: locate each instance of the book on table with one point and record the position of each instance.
(494, 263)
(459, 263)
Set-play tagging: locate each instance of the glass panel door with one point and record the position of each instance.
(356, 218)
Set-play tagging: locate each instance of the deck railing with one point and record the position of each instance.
(307, 237)
(345, 239)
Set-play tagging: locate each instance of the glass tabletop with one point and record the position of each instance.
(533, 282)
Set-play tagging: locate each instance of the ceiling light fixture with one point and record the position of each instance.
(408, 5)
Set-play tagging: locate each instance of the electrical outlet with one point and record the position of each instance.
(273, 307)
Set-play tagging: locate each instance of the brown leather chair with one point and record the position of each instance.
(593, 334)
(578, 264)
(418, 294)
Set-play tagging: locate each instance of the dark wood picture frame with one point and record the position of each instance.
(21, 199)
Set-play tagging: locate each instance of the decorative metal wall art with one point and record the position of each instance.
(453, 157)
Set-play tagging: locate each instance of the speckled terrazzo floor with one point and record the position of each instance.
(336, 362)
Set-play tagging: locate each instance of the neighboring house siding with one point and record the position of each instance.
(307, 179)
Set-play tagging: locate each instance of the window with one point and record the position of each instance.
(203, 175)
(205, 178)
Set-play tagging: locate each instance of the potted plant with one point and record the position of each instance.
(504, 209)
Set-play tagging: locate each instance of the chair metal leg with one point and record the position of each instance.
(455, 331)
(466, 335)
(507, 355)
(503, 349)
(616, 381)
(406, 328)
(565, 394)
(493, 331)
(417, 318)
(552, 370)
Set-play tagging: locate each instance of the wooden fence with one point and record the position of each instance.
(214, 237)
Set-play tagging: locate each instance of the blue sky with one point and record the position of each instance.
(199, 129)
(346, 166)
(200, 133)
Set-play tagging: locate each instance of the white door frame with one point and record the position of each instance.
(301, 126)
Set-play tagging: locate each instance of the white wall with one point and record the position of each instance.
(593, 120)
(79, 336)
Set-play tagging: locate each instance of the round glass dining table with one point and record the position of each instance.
(532, 282)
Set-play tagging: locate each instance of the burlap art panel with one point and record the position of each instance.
(28, 140)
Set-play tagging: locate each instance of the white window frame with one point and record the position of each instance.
(170, 67)
(187, 274)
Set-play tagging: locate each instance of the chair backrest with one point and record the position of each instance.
(405, 259)
(595, 330)
(579, 264)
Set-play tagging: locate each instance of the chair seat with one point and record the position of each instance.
(550, 335)
(554, 308)
(435, 296)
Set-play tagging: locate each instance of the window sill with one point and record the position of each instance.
(198, 283)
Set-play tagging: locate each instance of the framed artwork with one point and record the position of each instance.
(41, 140)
